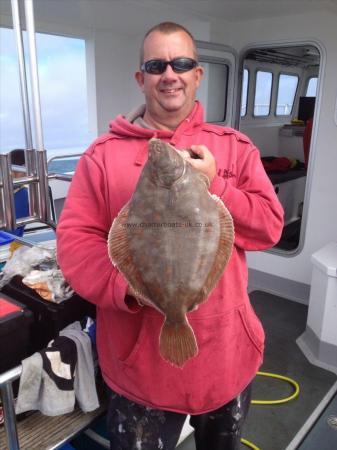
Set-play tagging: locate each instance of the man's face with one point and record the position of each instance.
(169, 94)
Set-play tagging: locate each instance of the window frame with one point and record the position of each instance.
(208, 51)
(307, 85)
(247, 92)
(91, 130)
(295, 94)
(220, 61)
(254, 116)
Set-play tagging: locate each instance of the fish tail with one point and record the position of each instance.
(177, 343)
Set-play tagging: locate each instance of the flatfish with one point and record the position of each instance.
(172, 242)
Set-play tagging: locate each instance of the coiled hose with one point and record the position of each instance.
(273, 402)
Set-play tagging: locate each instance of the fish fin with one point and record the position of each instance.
(118, 248)
(119, 253)
(226, 241)
(177, 343)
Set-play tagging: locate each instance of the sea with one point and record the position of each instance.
(66, 164)
(62, 165)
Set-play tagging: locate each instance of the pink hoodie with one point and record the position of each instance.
(229, 335)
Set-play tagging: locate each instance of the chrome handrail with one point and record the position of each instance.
(67, 155)
(7, 193)
(7, 204)
(7, 398)
(7, 185)
(29, 154)
(36, 164)
(41, 154)
(62, 176)
(35, 160)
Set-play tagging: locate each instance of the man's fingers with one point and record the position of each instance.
(203, 162)
(200, 150)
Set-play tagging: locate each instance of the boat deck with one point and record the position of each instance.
(269, 427)
(273, 427)
(38, 431)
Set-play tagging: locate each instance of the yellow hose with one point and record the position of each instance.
(249, 444)
(281, 400)
(273, 402)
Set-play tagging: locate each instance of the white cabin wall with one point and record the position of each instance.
(116, 59)
(321, 211)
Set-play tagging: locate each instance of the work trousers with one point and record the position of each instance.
(136, 427)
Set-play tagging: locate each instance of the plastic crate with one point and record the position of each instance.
(48, 318)
(15, 328)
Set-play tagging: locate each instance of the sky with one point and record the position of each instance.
(63, 92)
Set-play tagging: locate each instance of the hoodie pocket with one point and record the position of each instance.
(230, 351)
(129, 359)
(253, 328)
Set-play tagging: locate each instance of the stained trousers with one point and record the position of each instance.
(136, 427)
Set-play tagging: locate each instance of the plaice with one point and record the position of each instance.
(172, 242)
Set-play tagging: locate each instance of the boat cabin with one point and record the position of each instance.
(67, 69)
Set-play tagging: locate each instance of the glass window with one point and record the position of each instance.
(63, 92)
(312, 87)
(244, 92)
(213, 91)
(286, 93)
(263, 87)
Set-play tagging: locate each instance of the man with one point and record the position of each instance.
(149, 398)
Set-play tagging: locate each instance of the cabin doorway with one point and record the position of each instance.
(278, 97)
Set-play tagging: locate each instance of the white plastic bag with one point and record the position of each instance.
(38, 268)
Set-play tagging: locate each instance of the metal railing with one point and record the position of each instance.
(8, 185)
(36, 166)
(6, 380)
(35, 176)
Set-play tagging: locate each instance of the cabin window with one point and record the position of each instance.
(287, 86)
(63, 92)
(312, 87)
(213, 90)
(263, 85)
(278, 134)
(244, 93)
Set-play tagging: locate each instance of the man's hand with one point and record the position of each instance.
(203, 160)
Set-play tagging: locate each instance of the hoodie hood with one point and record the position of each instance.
(123, 128)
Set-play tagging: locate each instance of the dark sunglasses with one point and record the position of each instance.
(158, 66)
